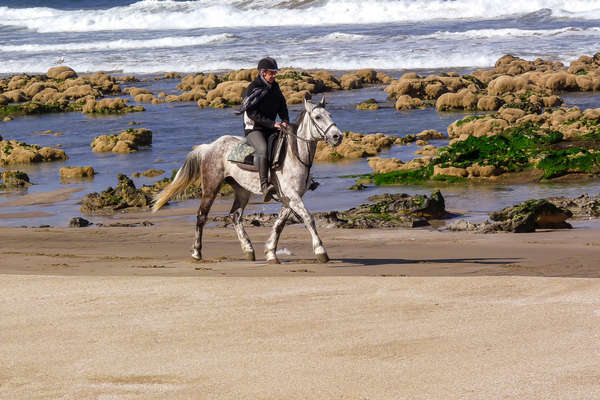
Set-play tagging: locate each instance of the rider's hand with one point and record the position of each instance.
(277, 125)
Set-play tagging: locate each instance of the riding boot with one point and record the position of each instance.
(263, 173)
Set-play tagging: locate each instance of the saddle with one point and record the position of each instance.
(243, 153)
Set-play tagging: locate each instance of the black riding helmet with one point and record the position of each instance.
(268, 63)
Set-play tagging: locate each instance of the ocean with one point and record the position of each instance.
(150, 37)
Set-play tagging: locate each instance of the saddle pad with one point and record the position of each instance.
(242, 153)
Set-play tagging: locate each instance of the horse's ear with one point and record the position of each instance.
(307, 104)
(322, 102)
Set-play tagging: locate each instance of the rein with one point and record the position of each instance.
(311, 154)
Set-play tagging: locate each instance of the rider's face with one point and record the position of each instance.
(269, 75)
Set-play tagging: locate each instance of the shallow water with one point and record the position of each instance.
(177, 127)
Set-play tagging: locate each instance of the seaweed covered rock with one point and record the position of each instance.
(389, 210)
(127, 141)
(124, 195)
(543, 213)
(465, 99)
(520, 218)
(405, 102)
(581, 206)
(61, 73)
(368, 105)
(61, 90)
(221, 91)
(354, 145)
(15, 152)
(385, 211)
(116, 105)
(512, 81)
(383, 165)
(528, 149)
(11, 180)
(357, 79)
(76, 172)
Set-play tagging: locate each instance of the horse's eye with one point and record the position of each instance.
(317, 117)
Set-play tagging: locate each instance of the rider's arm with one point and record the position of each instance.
(260, 119)
(283, 110)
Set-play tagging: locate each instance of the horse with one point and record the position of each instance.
(210, 163)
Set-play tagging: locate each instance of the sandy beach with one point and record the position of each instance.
(452, 113)
(125, 313)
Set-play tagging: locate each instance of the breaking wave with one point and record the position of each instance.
(169, 14)
(121, 44)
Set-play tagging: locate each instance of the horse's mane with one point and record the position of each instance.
(296, 124)
(298, 119)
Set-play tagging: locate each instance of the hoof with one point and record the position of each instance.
(273, 261)
(196, 255)
(250, 256)
(323, 258)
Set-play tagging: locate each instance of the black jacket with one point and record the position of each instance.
(268, 103)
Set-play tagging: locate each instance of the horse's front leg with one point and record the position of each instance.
(299, 208)
(271, 244)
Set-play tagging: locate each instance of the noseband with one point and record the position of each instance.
(322, 133)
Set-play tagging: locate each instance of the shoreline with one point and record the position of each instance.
(163, 249)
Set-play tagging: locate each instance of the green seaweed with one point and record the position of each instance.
(289, 75)
(469, 119)
(32, 108)
(560, 162)
(510, 150)
(409, 176)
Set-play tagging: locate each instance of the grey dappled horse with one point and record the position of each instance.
(209, 161)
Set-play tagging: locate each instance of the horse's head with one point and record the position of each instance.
(322, 126)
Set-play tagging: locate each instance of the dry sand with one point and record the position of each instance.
(124, 313)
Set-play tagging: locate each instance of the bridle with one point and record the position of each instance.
(322, 133)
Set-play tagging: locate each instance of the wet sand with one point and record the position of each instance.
(124, 313)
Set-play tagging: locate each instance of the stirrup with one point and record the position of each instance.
(268, 193)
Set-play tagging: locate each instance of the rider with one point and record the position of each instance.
(263, 102)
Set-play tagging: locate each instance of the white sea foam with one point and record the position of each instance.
(511, 33)
(188, 64)
(342, 37)
(169, 14)
(121, 44)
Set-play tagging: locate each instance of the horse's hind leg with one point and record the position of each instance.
(271, 244)
(299, 208)
(237, 210)
(209, 192)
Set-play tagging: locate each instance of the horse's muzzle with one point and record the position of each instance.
(335, 137)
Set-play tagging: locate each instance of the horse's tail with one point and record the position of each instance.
(187, 174)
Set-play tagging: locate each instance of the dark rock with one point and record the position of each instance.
(14, 180)
(419, 205)
(78, 222)
(389, 211)
(581, 206)
(531, 214)
(124, 195)
(520, 218)
(357, 187)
